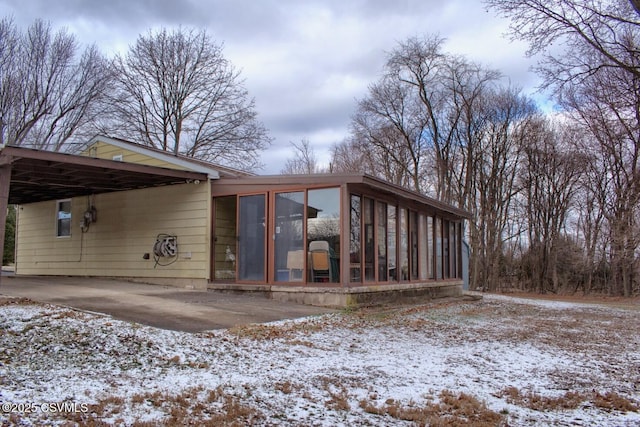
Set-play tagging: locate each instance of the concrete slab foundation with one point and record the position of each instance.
(356, 296)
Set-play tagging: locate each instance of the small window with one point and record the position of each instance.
(117, 157)
(63, 218)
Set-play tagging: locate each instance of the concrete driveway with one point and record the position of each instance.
(155, 305)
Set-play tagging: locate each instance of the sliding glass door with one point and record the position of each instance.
(251, 238)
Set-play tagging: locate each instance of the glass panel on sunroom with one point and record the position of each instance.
(392, 242)
(453, 243)
(289, 249)
(430, 251)
(382, 241)
(445, 249)
(422, 246)
(355, 254)
(413, 241)
(369, 242)
(438, 243)
(403, 253)
(323, 226)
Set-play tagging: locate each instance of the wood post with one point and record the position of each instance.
(5, 181)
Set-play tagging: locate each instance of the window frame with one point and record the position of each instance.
(58, 220)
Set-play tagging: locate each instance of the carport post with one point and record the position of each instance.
(5, 181)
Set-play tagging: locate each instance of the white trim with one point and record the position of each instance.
(185, 164)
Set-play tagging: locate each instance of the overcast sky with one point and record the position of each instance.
(306, 63)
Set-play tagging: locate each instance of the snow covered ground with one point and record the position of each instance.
(496, 361)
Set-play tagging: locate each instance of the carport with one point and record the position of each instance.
(28, 176)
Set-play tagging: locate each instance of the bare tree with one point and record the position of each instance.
(608, 28)
(549, 178)
(507, 128)
(348, 156)
(304, 160)
(596, 78)
(608, 106)
(9, 45)
(416, 113)
(178, 93)
(48, 95)
(387, 125)
(591, 221)
(377, 153)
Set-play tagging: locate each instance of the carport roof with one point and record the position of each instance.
(38, 175)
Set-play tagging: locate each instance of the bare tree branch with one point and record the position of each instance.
(47, 97)
(304, 160)
(608, 28)
(178, 93)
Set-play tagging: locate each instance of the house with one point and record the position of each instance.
(127, 211)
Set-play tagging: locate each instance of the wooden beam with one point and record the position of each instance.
(5, 181)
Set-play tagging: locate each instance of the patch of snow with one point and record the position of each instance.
(51, 354)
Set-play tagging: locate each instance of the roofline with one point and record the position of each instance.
(352, 178)
(10, 152)
(156, 154)
(410, 194)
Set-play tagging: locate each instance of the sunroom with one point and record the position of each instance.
(302, 232)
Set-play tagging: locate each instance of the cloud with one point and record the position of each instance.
(305, 63)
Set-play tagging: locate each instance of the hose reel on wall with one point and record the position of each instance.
(165, 247)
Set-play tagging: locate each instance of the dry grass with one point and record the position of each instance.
(612, 401)
(7, 301)
(286, 387)
(108, 406)
(608, 401)
(68, 314)
(290, 331)
(194, 406)
(338, 393)
(450, 410)
(569, 400)
(259, 332)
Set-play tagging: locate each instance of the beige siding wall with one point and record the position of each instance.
(126, 228)
(102, 150)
